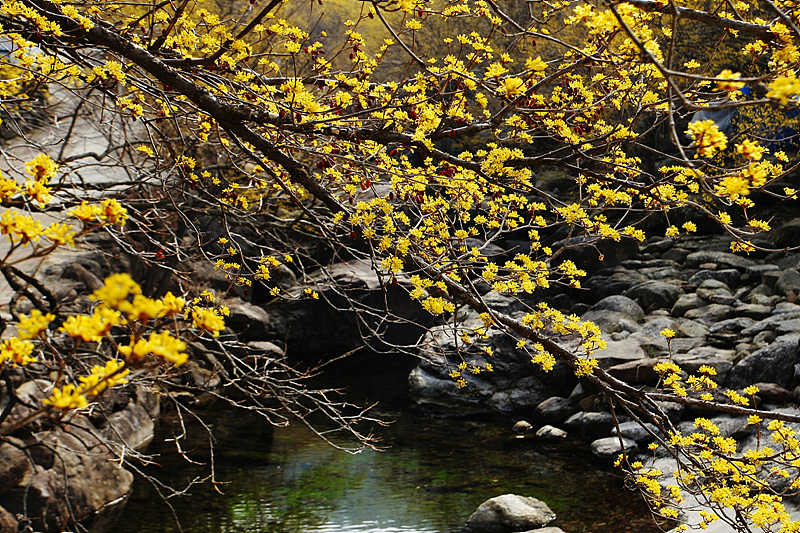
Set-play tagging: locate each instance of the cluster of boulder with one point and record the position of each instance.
(736, 314)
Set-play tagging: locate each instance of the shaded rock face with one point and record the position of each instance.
(300, 322)
(769, 364)
(514, 385)
(508, 513)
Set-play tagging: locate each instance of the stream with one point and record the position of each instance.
(432, 475)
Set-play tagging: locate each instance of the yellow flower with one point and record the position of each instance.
(207, 320)
(167, 347)
(172, 304)
(668, 333)
(725, 84)
(511, 87)
(17, 351)
(707, 137)
(117, 289)
(68, 397)
(29, 327)
(42, 168)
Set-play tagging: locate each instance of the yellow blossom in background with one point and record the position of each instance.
(725, 83)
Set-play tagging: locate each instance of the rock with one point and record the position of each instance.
(768, 364)
(266, 347)
(731, 324)
(249, 321)
(8, 524)
(42, 500)
(521, 427)
(676, 254)
(657, 247)
(591, 424)
(787, 235)
(655, 294)
(772, 393)
(729, 277)
(618, 352)
(695, 259)
(685, 303)
(639, 372)
(634, 431)
(785, 308)
(622, 305)
(508, 513)
(14, 464)
(609, 282)
(546, 530)
(710, 314)
(788, 326)
(610, 321)
(132, 426)
(691, 328)
(551, 433)
(555, 410)
(716, 296)
(754, 311)
(609, 448)
(788, 281)
(653, 327)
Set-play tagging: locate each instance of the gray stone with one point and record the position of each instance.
(787, 235)
(788, 281)
(266, 347)
(550, 433)
(634, 431)
(591, 424)
(249, 321)
(655, 294)
(716, 296)
(43, 500)
(759, 270)
(785, 308)
(510, 512)
(546, 530)
(14, 464)
(609, 448)
(611, 321)
(621, 305)
(711, 313)
(692, 328)
(653, 328)
(132, 426)
(731, 324)
(523, 426)
(613, 282)
(695, 259)
(618, 352)
(676, 254)
(788, 326)
(772, 393)
(658, 247)
(555, 410)
(728, 277)
(640, 371)
(765, 337)
(686, 303)
(754, 311)
(768, 364)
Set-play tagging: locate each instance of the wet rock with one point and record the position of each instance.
(635, 432)
(508, 513)
(686, 303)
(655, 294)
(550, 433)
(788, 282)
(555, 410)
(609, 448)
(768, 364)
(521, 427)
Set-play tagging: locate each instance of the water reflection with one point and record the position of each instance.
(433, 475)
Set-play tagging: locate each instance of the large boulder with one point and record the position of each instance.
(730, 260)
(770, 364)
(655, 294)
(510, 512)
(788, 282)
